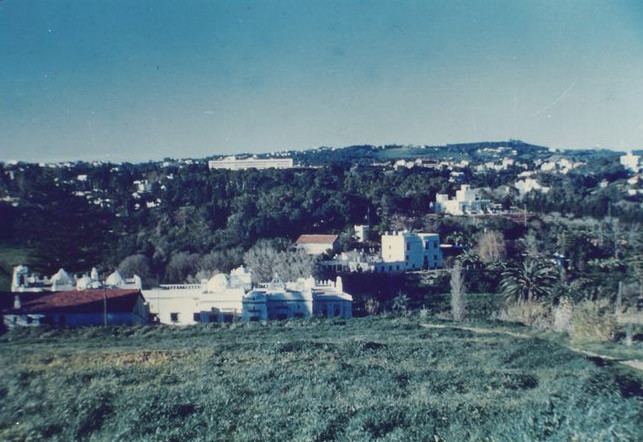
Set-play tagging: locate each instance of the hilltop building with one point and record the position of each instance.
(317, 244)
(631, 162)
(233, 163)
(466, 201)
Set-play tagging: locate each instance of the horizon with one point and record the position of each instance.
(85, 81)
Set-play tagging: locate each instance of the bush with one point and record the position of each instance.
(593, 321)
(531, 313)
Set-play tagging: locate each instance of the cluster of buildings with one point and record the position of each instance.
(400, 252)
(72, 301)
(224, 298)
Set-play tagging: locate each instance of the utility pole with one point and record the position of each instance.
(525, 215)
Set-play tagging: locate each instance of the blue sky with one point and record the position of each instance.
(144, 79)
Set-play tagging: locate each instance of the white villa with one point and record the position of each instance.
(530, 184)
(466, 201)
(25, 281)
(225, 298)
(631, 162)
(404, 251)
(233, 163)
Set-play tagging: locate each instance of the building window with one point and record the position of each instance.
(426, 245)
(196, 317)
(408, 246)
(174, 317)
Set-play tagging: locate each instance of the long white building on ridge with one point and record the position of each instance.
(233, 163)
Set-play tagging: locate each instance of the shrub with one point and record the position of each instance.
(401, 304)
(531, 313)
(593, 321)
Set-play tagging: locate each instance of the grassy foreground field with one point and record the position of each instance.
(362, 379)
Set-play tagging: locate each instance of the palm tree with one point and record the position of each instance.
(534, 279)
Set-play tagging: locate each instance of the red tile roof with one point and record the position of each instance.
(76, 301)
(316, 239)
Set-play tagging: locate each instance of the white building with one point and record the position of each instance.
(631, 162)
(404, 251)
(232, 163)
(226, 298)
(529, 184)
(466, 201)
(25, 281)
(216, 300)
(300, 299)
(361, 232)
(317, 244)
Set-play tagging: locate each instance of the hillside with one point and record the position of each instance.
(364, 379)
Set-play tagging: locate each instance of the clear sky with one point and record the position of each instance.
(144, 79)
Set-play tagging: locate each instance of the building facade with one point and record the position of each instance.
(466, 201)
(233, 163)
(300, 299)
(407, 251)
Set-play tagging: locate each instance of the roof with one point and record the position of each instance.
(74, 301)
(316, 239)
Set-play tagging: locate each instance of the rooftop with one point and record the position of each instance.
(316, 239)
(73, 301)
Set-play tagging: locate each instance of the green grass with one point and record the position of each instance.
(361, 379)
(10, 256)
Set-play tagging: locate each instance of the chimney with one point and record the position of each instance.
(17, 305)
